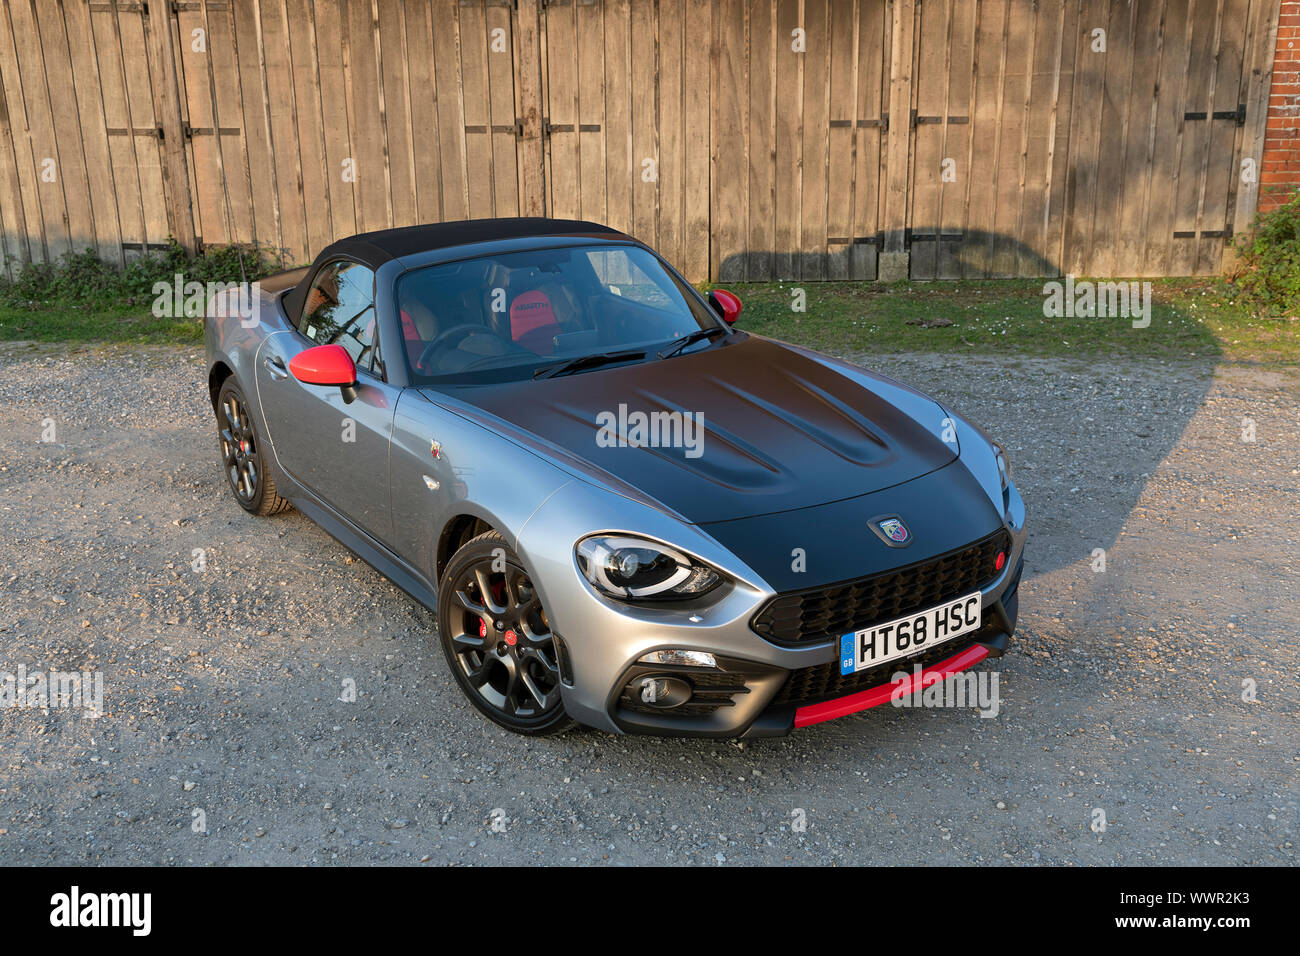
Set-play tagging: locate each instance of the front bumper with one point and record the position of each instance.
(759, 701)
(760, 686)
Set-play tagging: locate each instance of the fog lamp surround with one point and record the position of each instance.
(679, 656)
(636, 569)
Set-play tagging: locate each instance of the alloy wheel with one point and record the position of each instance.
(239, 451)
(502, 641)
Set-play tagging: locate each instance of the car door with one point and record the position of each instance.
(335, 449)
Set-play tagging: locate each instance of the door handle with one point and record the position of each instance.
(275, 365)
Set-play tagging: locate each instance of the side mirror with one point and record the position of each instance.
(726, 304)
(326, 365)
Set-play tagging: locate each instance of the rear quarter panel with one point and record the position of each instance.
(233, 337)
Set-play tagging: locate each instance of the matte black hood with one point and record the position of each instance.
(779, 429)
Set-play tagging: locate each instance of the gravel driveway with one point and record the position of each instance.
(224, 739)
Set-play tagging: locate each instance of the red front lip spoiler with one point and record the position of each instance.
(875, 696)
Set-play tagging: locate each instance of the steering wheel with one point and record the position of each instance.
(456, 332)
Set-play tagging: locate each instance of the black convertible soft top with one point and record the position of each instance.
(376, 248)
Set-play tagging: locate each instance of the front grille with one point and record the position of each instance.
(811, 685)
(824, 613)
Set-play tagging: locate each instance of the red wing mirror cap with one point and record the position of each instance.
(726, 304)
(324, 365)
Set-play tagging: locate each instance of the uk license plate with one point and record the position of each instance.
(910, 635)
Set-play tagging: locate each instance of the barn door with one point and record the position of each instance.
(1159, 130)
(626, 120)
(990, 98)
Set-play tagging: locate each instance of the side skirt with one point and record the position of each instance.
(366, 548)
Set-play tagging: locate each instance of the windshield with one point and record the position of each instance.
(505, 317)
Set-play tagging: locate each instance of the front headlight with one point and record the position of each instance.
(634, 569)
(1004, 465)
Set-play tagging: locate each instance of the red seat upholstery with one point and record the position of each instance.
(532, 322)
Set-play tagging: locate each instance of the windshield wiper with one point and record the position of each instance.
(586, 361)
(690, 339)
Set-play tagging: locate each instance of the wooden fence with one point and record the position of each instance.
(744, 139)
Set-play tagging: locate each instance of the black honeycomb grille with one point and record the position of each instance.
(824, 613)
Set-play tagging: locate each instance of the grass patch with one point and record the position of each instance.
(81, 298)
(1190, 319)
(78, 324)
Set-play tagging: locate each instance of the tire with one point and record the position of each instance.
(500, 647)
(247, 473)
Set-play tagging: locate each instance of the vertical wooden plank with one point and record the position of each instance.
(41, 145)
(210, 220)
(1256, 81)
(1159, 220)
(282, 128)
(643, 76)
(452, 138)
(502, 112)
(15, 243)
(225, 89)
(980, 230)
(73, 95)
(313, 163)
(1019, 43)
(875, 21)
(815, 136)
(957, 144)
(532, 183)
(368, 120)
(701, 40)
(423, 110)
(1221, 167)
(789, 67)
(1203, 25)
(1035, 169)
(841, 139)
(84, 103)
(591, 129)
(247, 37)
(1132, 203)
(167, 113)
(618, 119)
(1115, 117)
(332, 101)
(730, 121)
(1058, 144)
(117, 117)
(672, 133)
(1085, 138)
(394, 78)
(893, 265)
(480, 174)
(930, 99)
(563, 180)
(764, 52)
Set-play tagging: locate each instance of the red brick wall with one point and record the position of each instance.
(1280, 172)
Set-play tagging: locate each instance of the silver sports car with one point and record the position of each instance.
(624, 511)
